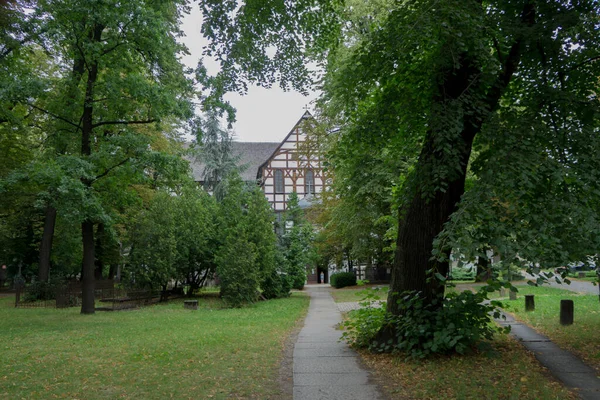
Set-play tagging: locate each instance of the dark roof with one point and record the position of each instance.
(251, 156)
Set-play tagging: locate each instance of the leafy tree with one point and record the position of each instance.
(196, 233)
(117, 71)
(215, 152)
(153, 252)
(246, 258)
(431, 81)
(237, 268)
(296, 242)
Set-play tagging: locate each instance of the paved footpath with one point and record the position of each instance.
(575, 285)
(324, 367)
(564, 365)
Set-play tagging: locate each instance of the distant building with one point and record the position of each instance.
(280, 168)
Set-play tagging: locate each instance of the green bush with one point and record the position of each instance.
(44, 290)
(276, 285)
(342, 279)
(457, 325)
(363, 324)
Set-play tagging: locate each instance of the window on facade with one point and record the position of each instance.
(279, 181)
(309, 182)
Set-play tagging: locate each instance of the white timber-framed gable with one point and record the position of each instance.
(295, 166)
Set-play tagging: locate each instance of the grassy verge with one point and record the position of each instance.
(157, 352)
(509, 373)
(581, 337)
(351, 293)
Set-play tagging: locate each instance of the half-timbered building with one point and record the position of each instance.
(295, 166)
(280, 168)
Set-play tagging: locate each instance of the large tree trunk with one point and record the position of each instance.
(87, 226)
(484, 270)
(423, 220)
(425, 215)
(99, 251)
(46, 244)
(88, 282)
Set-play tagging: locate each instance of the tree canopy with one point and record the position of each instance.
(423, 92)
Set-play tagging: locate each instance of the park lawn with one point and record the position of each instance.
(509, 372)
(581, 337)
(353, 293)
(155, 352)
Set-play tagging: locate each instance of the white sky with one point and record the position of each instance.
(263, 115)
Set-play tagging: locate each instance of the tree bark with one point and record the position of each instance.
(425, 215)
(88, 283)
(484, 271)
(46, 244)
(87, 226)
(99, 252)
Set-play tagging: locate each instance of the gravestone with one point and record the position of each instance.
(190, 304)
(566, 312)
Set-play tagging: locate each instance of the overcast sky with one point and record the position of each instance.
(263, 115)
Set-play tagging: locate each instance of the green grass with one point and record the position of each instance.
(351, 294)
(581, 337)
(157, 352)
(509, 373)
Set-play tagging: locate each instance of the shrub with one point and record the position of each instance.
(458, 324)
(40, 290)
(364, 323)
(342, 279)
(276, 285)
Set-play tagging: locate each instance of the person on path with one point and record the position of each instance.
(322, 277)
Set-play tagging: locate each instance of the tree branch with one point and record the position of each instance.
(107, 171)
(54, 115)
(581, 64)
(148, 121)
(512, 60)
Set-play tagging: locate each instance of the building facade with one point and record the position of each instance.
(296, 165)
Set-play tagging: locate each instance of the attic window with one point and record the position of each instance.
(279, 181)
(309, 182)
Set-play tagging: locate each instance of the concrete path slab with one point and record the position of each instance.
(564, 365)
(324, 367)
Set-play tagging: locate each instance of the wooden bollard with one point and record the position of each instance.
(566, 312)
(529, 302)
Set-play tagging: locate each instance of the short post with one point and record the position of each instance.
(566, 312)
(190, 304)
(529, 302)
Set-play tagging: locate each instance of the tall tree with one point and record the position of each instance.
(215, 152)
(119, 71)
(430, 80)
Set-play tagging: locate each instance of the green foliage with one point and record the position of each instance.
(214, 152)
(43, 290)
(296, 243)
(276, 285)
(237, 270)
(246, 257)
(342, 279)
(455, 324)
(362, 325)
